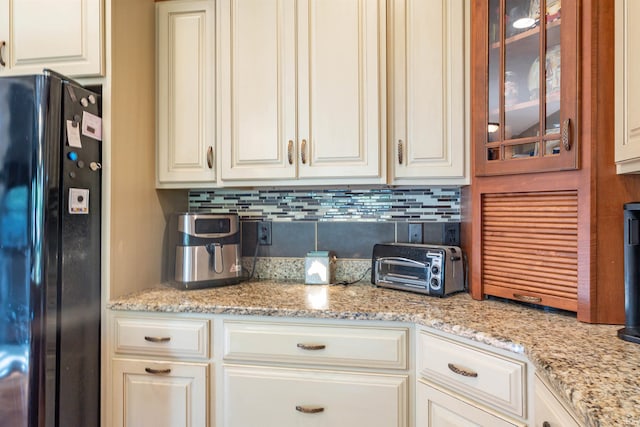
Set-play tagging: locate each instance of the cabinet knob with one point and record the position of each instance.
(400, 151)
(210, 157)
(303, 152)
(2, 46)
(290, 151)
(309, 409)
(566, 134)
(546, 424)
(157, 371)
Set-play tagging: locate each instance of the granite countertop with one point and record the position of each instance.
(587, 365)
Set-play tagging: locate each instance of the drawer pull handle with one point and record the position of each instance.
(462, 371)
(157, 339)
(309, 409)
(304, 346)
(400, 152)
(157, 371)
(527, 298)
(546, 424)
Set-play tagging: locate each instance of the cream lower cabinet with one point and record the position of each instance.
(310, 374)
(302, 87)
(276, 397)
(160, 394)
(549, 412)
(160, 371)
(439, 408)
(185, 88)
(463, 385)
(428, 116)
(627, 82)
(31, 37)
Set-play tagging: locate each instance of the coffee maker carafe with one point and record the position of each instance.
(207, 250)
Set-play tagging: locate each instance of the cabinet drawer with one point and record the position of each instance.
(384, 348)
(480, 375)
(179, 338)
(272, 397)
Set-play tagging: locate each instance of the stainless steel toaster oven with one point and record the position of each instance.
(427, 269)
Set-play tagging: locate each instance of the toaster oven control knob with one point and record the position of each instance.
(435, 270)
(434, 283)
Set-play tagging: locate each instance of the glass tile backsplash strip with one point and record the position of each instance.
(439, 204)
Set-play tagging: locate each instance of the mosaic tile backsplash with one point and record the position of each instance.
(348, 222)
(441, 204)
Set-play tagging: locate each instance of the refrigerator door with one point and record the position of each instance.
(79, 288)
(24, 192)
(50, 204)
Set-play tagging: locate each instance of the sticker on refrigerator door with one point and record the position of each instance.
(78, 201)
(91, 126)
(73, 134)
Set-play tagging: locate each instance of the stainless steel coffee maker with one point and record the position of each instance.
(207, 250)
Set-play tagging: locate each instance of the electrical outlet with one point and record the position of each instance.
(264, 233)
(451, 234)
(415, 233)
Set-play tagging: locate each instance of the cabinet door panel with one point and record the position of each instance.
(436, 408)
(185, 121)
(268, 397)
(428, 114)
(63, 35)
(549, 410)
(259, 112)
(177, 398)
(339, 87)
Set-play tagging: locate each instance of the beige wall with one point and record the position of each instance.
(137, 211)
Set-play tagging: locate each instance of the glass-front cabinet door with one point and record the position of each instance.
(526, 91)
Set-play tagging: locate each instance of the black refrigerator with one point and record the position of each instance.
(50, 202)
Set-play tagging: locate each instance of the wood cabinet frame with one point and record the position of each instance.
(601, 193)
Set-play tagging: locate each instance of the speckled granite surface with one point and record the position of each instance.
(588, 365)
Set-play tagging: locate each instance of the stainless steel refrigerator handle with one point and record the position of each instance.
(2, 46)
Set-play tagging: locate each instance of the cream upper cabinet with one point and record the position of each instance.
(65, 36)
(185, 121)
(428, 113)
(302, 90)
(627, 81)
